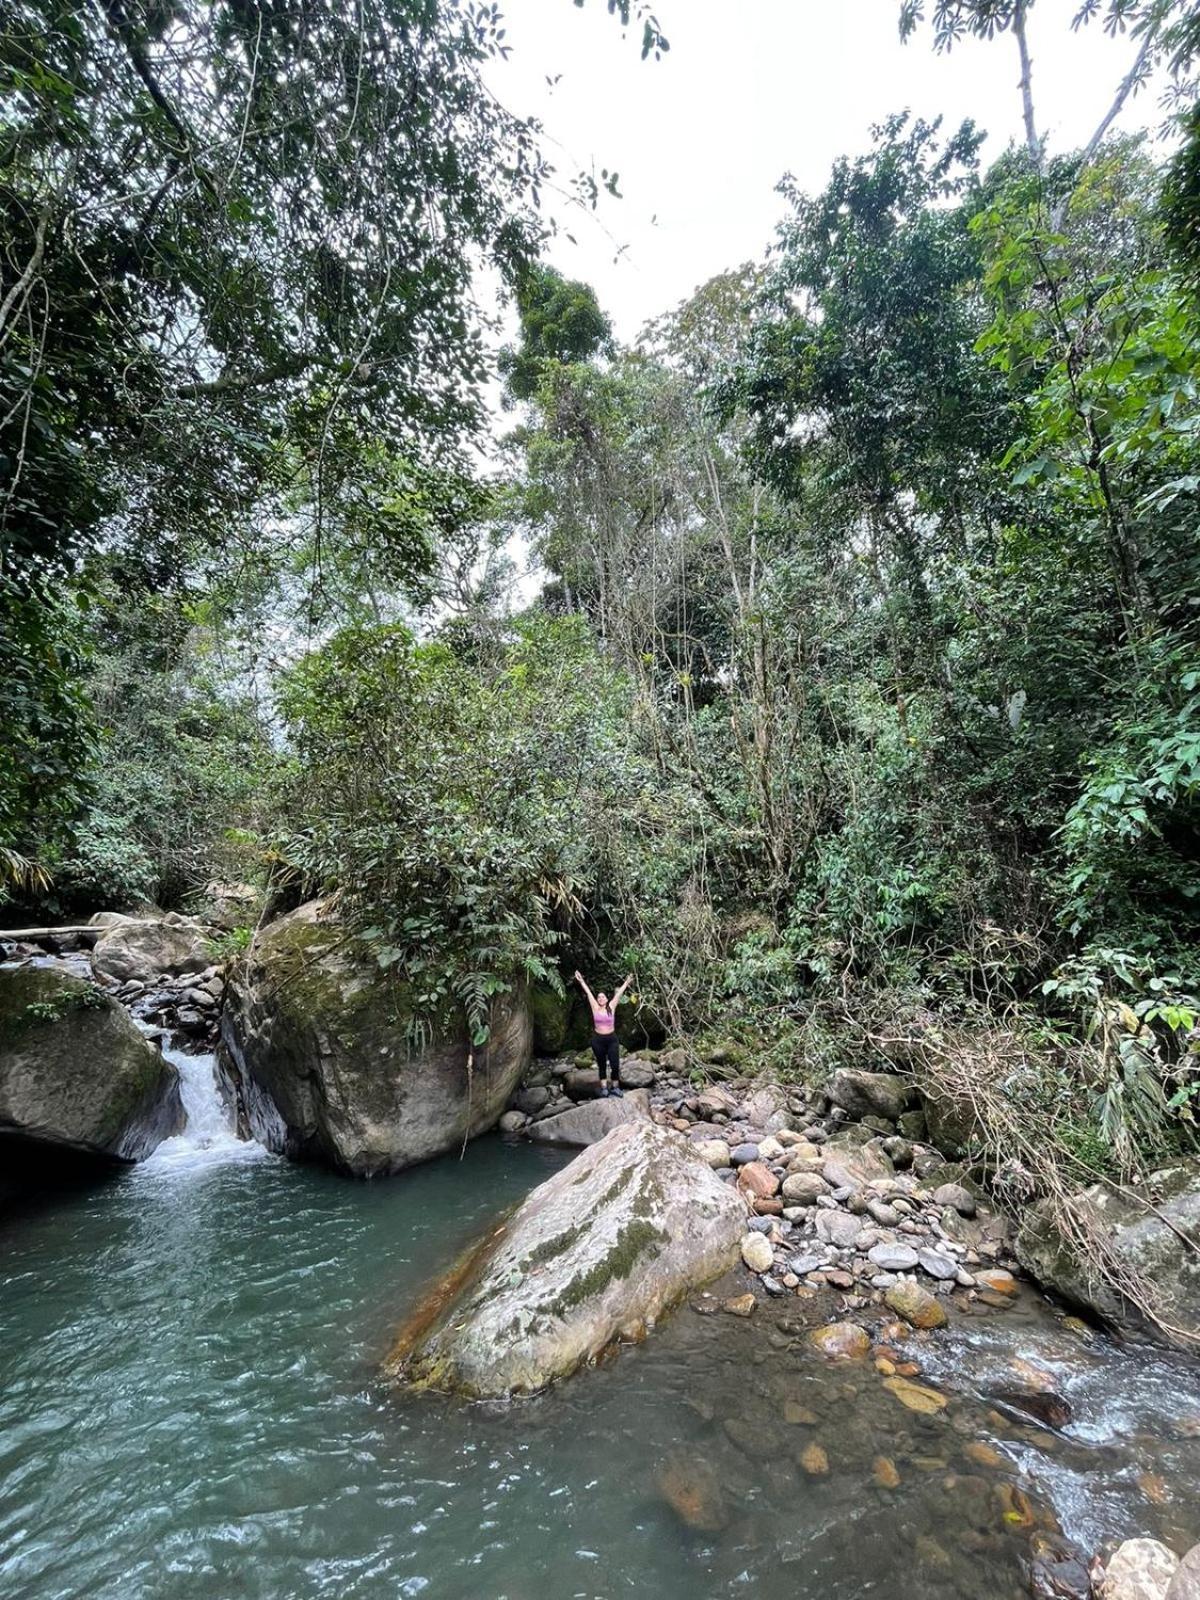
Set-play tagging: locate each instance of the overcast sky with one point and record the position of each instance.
(752, 89)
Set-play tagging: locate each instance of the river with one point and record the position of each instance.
(191, 1410)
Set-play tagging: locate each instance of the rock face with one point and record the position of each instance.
(1141, 1241)
(588, 1123)
(315, 1038)
(597, 1253)
(130, 948)
(76, 1074)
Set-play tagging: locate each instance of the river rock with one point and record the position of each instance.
(865, 1094)
(936, 1264)
(957, 1196)
(144, 950)
(315, 1037)
(767, 1108)
(588, 1123)
(690, 1486)
(76, 1074)
(846, 1167)
(841, 1341)
(595, 1254)
(757, 1180)
(803, 1188)
(1140, 1241)
(1185, 1585)
(915, 1305)
(1139, 1569)
(893, 1257)
(757, 1252)
(714, 1151)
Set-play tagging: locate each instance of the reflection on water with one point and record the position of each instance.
(191, 1409)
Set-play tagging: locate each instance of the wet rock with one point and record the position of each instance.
(512, 1122)
(314, 1035)
(809, 1261)
(690, 1486)
(814, 1460)
(884, 1473)
(618, 1237)
(997, 1280)
(917, 1397)
(77, 1078)
(739, 1305)
(757, 1253)
(1139, 1569)
(1058, 1570)
(915, 1305)
(1042, 1405)
(841, 1341)
(530, 1100)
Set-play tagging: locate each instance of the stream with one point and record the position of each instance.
(191, 1410)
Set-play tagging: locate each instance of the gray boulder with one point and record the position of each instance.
(317, 1040)
(146, 950)
(75, 1073)
(871, 1094)
(596, 1254)
(588, 1123)
(1142, 1243)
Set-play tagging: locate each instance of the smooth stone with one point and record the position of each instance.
(915, 1305)
(838, 1228)
(937, 1266)
(841, 1341)
(757, 1253)
(742, 1154)
(955, 1195)
(893, 1257)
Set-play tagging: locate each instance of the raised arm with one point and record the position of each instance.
(582, 982)
(620, 994)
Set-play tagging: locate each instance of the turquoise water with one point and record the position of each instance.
(191, 1410)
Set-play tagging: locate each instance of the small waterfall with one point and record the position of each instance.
(209, 1137)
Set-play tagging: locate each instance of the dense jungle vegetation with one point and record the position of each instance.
(859, 709)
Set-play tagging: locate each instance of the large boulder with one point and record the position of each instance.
(867, 1094)
(318, 1040)
(75, 1073)
(1150, 1246)
(130, 948)
(588, 1123)
(596, 1254)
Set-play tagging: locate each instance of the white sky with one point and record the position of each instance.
(752, 89)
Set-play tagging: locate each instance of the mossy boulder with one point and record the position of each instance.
(1150, 1248)
(594, 1255)
(332, 1065)
(76, 1076)
(551, 1015)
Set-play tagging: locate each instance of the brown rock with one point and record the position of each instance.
(915, 1305)
(841, 1341)
(692, 1489)
(741, 1305)
(916, 1396)
(814, 1460)
(883, 1471)
(758, 1180)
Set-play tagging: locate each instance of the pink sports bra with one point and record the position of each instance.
(599, 1017)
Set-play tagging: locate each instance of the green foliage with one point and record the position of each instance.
(561, 321)
(460, 807)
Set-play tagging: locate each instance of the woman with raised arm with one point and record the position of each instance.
(604, 1035)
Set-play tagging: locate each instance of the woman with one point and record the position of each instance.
(604, 1035)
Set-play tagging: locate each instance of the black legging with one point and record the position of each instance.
(608, 1054)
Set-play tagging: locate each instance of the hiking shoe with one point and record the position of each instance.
(618, 1091)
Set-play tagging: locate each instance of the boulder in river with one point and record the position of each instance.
(596, 1254)
(75, 1073)
(317, 1040)
(143, 950)
(1148, 1245)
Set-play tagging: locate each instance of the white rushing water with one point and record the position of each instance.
(209, 1137)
